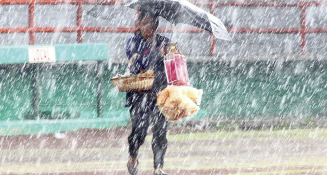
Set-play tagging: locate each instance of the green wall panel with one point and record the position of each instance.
(232, 90)
(248, 90)
(70, 88)
(15, 92)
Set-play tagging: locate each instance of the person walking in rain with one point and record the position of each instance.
(145, 51)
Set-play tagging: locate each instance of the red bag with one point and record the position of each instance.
(176, 71)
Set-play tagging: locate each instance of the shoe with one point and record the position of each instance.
(132, 166)
(159, 172)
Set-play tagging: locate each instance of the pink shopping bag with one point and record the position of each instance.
(176, 71)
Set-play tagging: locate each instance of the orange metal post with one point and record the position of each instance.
(31, 24)
(212, 37)
(79, 23)
(303, 29)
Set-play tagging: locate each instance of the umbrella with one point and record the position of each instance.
(182, 11)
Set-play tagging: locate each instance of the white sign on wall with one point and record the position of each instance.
(41, 54)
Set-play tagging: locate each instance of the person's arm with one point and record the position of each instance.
(135, 64)
(131, 47)
(135, 58)
(164, 44)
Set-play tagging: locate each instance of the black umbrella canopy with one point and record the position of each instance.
(182, 11)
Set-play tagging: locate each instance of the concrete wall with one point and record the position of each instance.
(194, 45)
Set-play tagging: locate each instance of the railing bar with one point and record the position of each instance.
(126, 30)
(112, 3)
(79, 29)
(247, 4)
(14, 30)
(259, 4)
(265, 30)
(50, 2)
(120, 2)
(55, 2)
(316, 30)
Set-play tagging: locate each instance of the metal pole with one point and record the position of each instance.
(36, 92)
(31, 23)
(79, 23)
(212, 37)
(303, 29)
(99, 89)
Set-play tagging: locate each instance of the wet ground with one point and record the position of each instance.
(190, 151)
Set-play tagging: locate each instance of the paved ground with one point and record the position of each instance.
(191, 151)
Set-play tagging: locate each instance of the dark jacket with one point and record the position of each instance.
(149, 59)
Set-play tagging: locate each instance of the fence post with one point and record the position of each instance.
(99, 75)
(303, 28)
(31, 23)
(212, 37)
(36, 90)
(79, 22)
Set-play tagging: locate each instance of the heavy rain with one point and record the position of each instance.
(254, 104)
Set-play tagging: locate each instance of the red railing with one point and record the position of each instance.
(303, 30)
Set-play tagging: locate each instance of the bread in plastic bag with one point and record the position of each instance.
(176, 102)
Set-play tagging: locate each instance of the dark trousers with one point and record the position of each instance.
(143, 113)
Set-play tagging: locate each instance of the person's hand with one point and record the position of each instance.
(165, 50)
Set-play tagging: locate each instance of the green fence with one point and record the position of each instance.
(259, 90)
(263, 89)
(52, 97)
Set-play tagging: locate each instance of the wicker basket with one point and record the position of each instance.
(132, 83)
